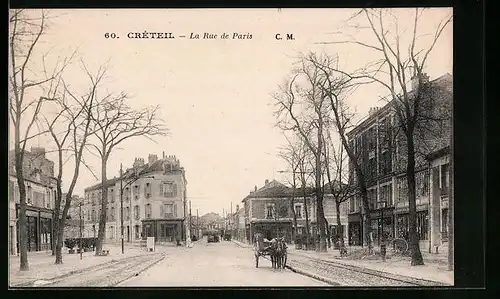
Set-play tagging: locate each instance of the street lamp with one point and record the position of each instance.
(382, 205)
(121, 199)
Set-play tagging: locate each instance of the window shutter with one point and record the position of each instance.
(175, 189)
(162, 210)
(175, 210)
(161, 189)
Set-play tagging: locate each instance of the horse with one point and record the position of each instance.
(278, 253)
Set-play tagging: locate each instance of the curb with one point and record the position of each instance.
(311, 275)
(403, 278)
(163, 256)
(30, 283)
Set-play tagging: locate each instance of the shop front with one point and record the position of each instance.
(402, 224)
(163, 230)
(39, 227)
(355, 229)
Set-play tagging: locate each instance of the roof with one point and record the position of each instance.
(444, 81)
(158, 165)
(275, 189)
(438, 153)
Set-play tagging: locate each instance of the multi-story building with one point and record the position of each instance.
(268, 211)
(73, 223)
(154, 202)
(40, 185)
(380, 148)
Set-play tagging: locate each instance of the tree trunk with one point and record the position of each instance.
(416, 255)
(57, 212)
(306, 212)
(327, 233)
(340, 231)
(62, 225)
(22, 220)
(319, 194)
(104, 204)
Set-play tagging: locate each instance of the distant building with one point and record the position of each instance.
(268, 211)
(154, 202)
(40, 185)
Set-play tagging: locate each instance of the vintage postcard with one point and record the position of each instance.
(231, 147)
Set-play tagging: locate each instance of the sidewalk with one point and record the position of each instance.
(435, 268)
(42, 264)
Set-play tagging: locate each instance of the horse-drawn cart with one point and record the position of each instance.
(275, 249)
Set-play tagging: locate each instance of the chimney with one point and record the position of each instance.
(138, 162)
(255, 189)
(38, 151)
(373, 110)
(152, 158)
(414, 80)
(163, 154)
(266, 182)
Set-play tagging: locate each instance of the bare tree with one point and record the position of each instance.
(411, 105)
(338, 184)
(336, 87)
(75, 112)
(290, 155)
(309, 122)
(25, 33)
(114, 122)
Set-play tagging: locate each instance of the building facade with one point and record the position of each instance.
(154, 202)
(380, 148)
(268, 211)
(40, 198)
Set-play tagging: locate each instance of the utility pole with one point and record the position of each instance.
(121, 205)
(190, 220)
(197, 225)
(81, 250)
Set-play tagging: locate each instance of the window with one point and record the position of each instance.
(298, 211)
(444, 179)
(93, 216)
(112, 195)
(372, 198)
(127, 194)
(136, 212)
(136, 192)
(167, 210)
(283, 211)
(402, 187)
(112, 214)
(28, 195)
(11, 189)
(148, 210)
(386, 194)
(88, 215)
(127, 213)
(270, 211)
(168, 189)
(147, 190)
(422, 182)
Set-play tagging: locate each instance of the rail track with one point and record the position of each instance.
(347, 275)
(105, 275)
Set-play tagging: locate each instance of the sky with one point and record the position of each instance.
(214, 94)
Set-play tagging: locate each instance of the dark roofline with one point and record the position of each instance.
(438, 153)
(384, 109)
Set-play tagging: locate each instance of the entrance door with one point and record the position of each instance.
(32, 233)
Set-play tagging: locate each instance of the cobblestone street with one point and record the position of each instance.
(217, 264)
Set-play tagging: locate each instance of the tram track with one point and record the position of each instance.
(348, 275)
(107, 274)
